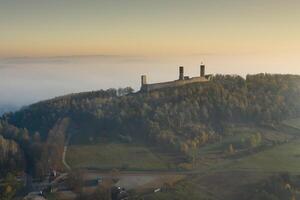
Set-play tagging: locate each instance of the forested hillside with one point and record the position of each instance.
(180, 118)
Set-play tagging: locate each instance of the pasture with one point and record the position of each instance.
(295, 123)
(109, 155)
(281, 158)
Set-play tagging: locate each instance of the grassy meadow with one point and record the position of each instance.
(222, 176)
(285, 157)
(89, 150)
(216, 174)
(279, 155)
(280, 158)
(115, 155)
(295, 123)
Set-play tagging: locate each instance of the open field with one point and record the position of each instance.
(105, 154)
(89, 150)
(216, 155)
(216, 174)
(211, 186)
(295, 123)
(138, 180)
(115, 155)
(239, 138)
(285, 157)
(230, 177)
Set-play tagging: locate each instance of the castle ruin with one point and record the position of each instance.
(183, 80)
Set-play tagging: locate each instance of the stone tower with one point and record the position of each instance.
(202, 70)
(181, 73)
(143, 80)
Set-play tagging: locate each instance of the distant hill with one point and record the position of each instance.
(8, 108)
(180, 119)
(262, 98)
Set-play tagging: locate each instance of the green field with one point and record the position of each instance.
(215, 155)
(295, 123)
(227, 177)
(216, 175)
(105, 154)
(284, 157)
(115, 155)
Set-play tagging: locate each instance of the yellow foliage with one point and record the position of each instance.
(231, 149)
(8, 189)
(186, 166)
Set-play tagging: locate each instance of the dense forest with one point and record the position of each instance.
(181, 118)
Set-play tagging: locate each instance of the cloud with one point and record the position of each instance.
(67, 59)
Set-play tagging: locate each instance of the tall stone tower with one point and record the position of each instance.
(181, 73)
(143, 80)
(202, 70)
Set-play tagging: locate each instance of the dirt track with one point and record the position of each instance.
(138, 180)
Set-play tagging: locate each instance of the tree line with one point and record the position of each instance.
(182, 118)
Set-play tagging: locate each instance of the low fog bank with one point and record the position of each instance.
(8, 108)
(27, 80)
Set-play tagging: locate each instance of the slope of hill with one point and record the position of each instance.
(201, 126)
(269, 171)
(179, 117)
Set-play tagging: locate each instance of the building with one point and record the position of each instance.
(182, 80)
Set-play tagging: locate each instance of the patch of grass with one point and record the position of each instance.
(216, 156)
(220, 177)
(237, 136)
(284, 157)
(103, 155)
(295, 123)
(211, 186)
(220, 147)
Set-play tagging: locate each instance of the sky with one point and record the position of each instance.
(148, 28)
(54, 47)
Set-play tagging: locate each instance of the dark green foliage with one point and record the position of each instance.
(12, 142)
(10, 187)
(168, 115)
(51, 151)
(274, 188)
(181, 118)
(21, 151)
(42, 116)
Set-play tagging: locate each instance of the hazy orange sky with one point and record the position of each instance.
(134, 37)
(149, 27)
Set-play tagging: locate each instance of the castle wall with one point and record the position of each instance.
(176, 83)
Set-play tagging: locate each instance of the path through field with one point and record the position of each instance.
(138, 180)
(64, 153)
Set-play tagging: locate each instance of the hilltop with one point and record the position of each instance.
(201, 126)
(262, 98)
